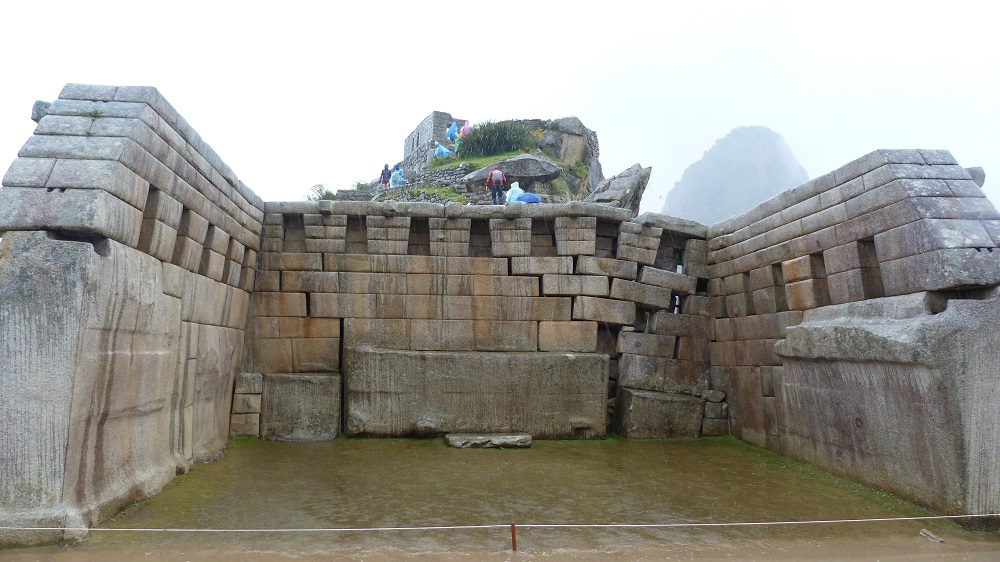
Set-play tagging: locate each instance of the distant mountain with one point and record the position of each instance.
(742, 169)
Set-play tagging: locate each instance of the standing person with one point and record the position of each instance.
(386, 174)
(495, 180)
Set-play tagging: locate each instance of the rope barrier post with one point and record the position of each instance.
(513, 537)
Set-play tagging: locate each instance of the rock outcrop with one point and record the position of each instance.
(742, 169)
(624, 190)
(526, 169)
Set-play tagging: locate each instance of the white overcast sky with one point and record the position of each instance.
(292, 93)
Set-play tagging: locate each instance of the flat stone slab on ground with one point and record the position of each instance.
(488, 440)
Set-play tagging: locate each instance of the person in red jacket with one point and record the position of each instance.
(495, 180)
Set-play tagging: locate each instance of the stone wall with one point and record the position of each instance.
(418, 149)
(844, 333)
(386, 294)
(151, 305)
(128, 255)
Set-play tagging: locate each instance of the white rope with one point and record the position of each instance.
(507, 526)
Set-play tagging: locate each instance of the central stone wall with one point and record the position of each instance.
(542, 314)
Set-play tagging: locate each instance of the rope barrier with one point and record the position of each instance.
(510, 526)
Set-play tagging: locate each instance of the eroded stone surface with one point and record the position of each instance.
(488, 440)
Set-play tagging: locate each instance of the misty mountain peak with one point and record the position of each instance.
(747, 166)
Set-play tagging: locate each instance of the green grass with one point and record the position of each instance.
(446, 192)
(476, 162)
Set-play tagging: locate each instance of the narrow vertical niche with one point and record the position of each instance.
(607, 239)
(871, 273)
(419, 243)
(780, 302)
(748, 295)
(480, 243)
(818, 266)
(668, 254)
(543, 238)
(357, 235)
(295, 233)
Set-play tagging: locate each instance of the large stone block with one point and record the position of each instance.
(338, 305)
(490, 285)
(868, 388)
(246, 403)
(855, 285)
(547, 395)
(623, 269)
(576, 247)
(28, 172)
(669, 324)
(926, 235)
(746, 406)
(377, 332)
(573, 285)
(579, 337)
(683, 284)
(505, 335)
(802, 268)
(279, 304)
(310, 281)
(244, 425)
(107, 175)
(87, 211)
(942, 269)
(316, 355)
(507, 308)
(292, 261)
(647, 296)
(806, 294)
(157, 239)
(661, 374)
(637, 343)
(521, 265)
(78, 324)
(608, 311)
(300, 407)
(249, 383)
(442, 335)
(641, 414)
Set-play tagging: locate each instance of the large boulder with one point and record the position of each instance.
(526, 169)
(624, 190)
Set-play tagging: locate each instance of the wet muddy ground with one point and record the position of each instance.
(330, 491)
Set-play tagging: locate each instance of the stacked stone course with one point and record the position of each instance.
(119, 212)
(822, 294)
(474, 285)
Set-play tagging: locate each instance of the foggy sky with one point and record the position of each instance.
(299, 93)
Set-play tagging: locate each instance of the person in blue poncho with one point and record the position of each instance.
(517, 195)
(442, 151)
(397, 179)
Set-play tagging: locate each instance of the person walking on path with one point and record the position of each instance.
(384, 180)
(495, 180)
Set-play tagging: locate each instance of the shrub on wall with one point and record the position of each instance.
(490, 138)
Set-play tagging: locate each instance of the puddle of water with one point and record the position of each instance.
(364, 483)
